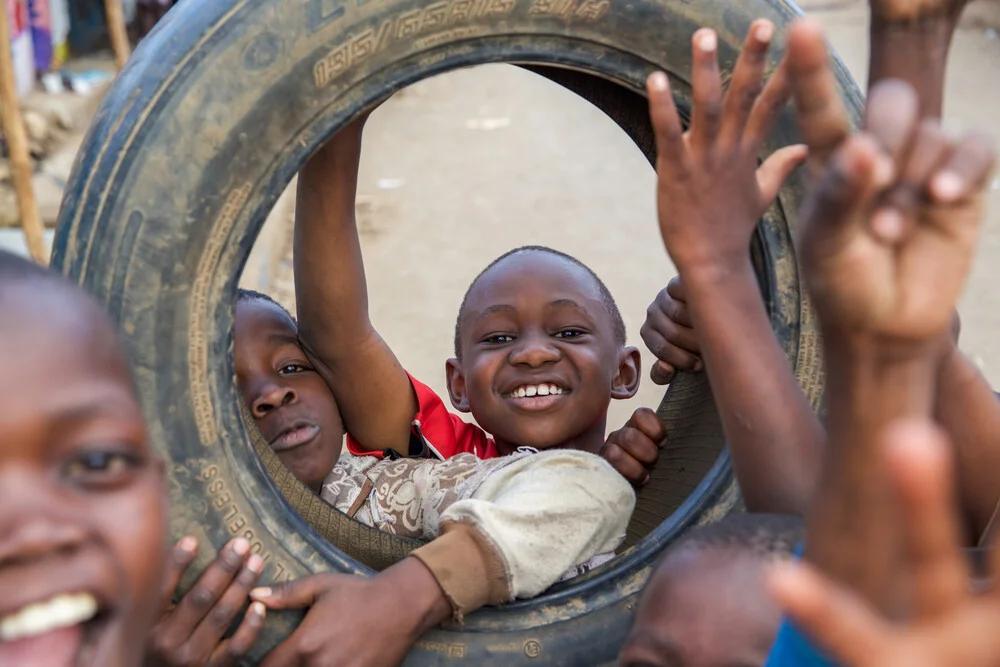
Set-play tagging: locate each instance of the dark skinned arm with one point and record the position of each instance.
(885, 294)
(371, 387)
(911, 41)
(711, 194)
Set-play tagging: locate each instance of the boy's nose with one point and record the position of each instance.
(534, 351)
(273, 396)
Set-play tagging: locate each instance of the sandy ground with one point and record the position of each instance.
(460, 168)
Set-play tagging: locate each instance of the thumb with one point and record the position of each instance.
(776, 169)
(661, 373)
(855, 174)
(296, 594)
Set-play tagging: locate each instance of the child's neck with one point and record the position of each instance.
(591, 440)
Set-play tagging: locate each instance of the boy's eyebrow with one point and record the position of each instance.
(102, 402)
(496, 308)
(282, 339)
(568, 303)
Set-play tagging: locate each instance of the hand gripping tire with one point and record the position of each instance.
(218, 109)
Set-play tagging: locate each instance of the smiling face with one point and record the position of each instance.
(540, 358)
(82, 498)
(291, 404)
(704, 607)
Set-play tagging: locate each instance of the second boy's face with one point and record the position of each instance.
(82, 498)
(291, 404)
(704, 608)
(540, 362)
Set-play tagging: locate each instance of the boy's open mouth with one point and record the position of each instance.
(536, 396)
(58, 632)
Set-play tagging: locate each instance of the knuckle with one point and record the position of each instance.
(222, 614)
(184, 658)
(201, 598)
(230, 562)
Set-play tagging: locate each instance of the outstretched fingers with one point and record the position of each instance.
(747, 82)
(835, 617)
(667, 128)
(917, 459)
(706, 90)
(821, 115)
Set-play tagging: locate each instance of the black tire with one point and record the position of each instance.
(219, 108)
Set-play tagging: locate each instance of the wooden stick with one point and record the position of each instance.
(119, 35)
(17, 147)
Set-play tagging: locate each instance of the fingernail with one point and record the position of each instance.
(707, 41)
(258, 609)
(947, 185)
(764, 31)
(698, 365)
(887, 225)
(240, 546)
(883, 171)
(658, 81)
(262, 592)
(255, 564)
(188, 544)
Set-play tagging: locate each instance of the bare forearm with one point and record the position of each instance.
(371, 387)
(865, 393)
(774, 436)
(331, 290)
(969, 411)
(915, 52)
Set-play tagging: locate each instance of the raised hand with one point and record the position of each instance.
(951, 624)
(890, 227)
(710, 191)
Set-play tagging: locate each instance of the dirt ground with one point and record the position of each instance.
(460, 168)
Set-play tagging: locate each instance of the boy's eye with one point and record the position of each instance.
(101, 468)
(289, 369)
(570, 333)
(499, 339)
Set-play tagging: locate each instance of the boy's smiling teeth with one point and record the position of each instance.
(529, 390)
(39, 618)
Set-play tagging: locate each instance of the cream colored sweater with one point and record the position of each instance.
(501, 528)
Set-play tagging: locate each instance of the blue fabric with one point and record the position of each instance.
(791, 647)
(794, 649)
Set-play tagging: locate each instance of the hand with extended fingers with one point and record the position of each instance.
(890, 227)
(710, 191)
(192, 632)
(951, 625)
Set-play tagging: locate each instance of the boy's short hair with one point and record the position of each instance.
(767, 536)
(609, 301)
(248, 295)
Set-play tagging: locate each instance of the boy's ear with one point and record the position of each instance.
(626, 381)
(456, 385)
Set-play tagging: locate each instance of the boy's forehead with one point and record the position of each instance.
(55, 333)
(535, 273)
(261, 326)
